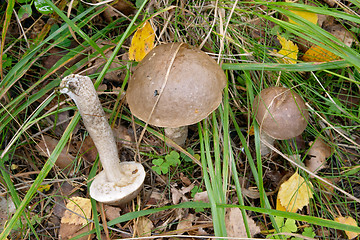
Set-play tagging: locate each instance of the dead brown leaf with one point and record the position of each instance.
(201, 197)
(47, 145)
(318, 153)
(123, 135)
(117, 9)
(341, 33)
(185, 224)
(111, 212)
(185, 179)
(87, 149)
(68, 231)
(235, 226)
(144, 226)
(178, 195)
(7, 209)
(99, 63)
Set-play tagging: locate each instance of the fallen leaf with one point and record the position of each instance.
(235, 226)
(278, 205)
(75, 219)
(349, 221)
(123, 135)
(7, 209)
(142, 42)
(201, 197)
(44, 188)
(185, 179)
(115, 71)
(69, 231)
(144, 227)
(60, 192)
(318, 152)
(319, 54)
(288, 51)
(118, 9)
(48, 144)
(295, 193)
(312, 17)
(78, 210)
(185, 224)
(178, 195)
(341, 33)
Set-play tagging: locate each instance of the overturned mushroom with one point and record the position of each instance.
(280, 113)
(119, 182)
(174, 86)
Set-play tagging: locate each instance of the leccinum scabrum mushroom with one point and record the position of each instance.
(118, 183)
(174, 86)
(281, 114)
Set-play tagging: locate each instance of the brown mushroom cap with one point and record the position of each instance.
(193, 89)
(280, 112)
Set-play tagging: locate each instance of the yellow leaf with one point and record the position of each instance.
(142, 42)
(14, 166)
(319, 54)
(312, 17)
(251, 131)
(43, 188)
(348, 221)
(278, 205)
(288, 50)
(295, 193)
(78, 209)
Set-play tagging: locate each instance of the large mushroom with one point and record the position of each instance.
(281, 114)
(119, 182)
(174, 86)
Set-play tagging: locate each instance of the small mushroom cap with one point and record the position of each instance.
(118, 193)
(280, 112)
(193, 89)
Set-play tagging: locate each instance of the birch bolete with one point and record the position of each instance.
(281, 114)
(174, 86)
(119, 182)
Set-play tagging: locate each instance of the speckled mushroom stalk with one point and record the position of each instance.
(118, 182)
(178, 134)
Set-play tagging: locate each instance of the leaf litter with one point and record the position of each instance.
(175, 187)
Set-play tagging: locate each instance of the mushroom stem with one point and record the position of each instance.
(263, 148)
(82, 91)
(178, 135)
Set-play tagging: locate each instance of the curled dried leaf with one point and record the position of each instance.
(318, 152)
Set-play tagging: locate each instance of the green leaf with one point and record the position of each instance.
(158, 161)
(279, 221)
(25, 11)
(195, 190)
(290, 226)
(185, 157)
(7, 61)
(43, 7)
(308, 232)
(164, 169)
(22, 1)
(173, 158)
(157, 169)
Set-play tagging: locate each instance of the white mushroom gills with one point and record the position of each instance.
(118, 180)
